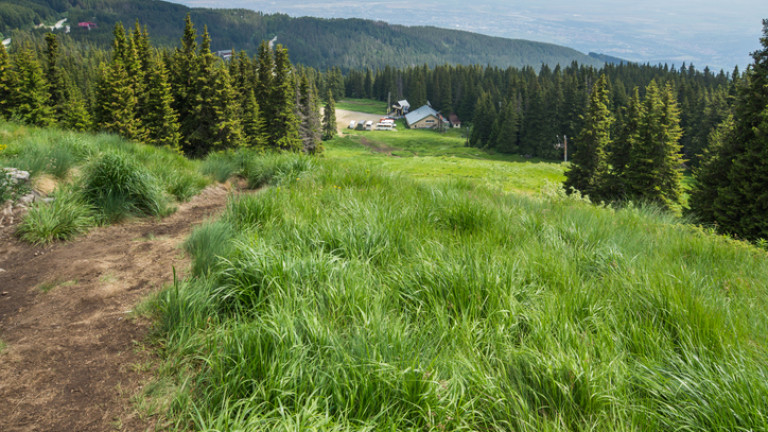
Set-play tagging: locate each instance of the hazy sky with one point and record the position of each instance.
(720, 34)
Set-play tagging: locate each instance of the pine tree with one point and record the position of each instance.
(741, 201)
(29, 96)
(7, 83)
(589, 166)
(329, 118)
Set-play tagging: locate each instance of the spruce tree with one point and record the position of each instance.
(264, 82)
(7, 83)
(57, 89)
(284, 126)
(182, 71)
(214, 121)
(309, 115)
(482, 122)
(671, 169)
(76, 116)
(621, 147)
(115, 109)
(507, 127)
(161, 120)
(329, 118)
(535, 132)
(29, 96)
(712, 174)
(589, 166)
(740, 202)
(253, 123)
(654, 170)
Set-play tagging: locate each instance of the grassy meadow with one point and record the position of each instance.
(404, 282)
(430, 155)
(368, 106)
(350, 297)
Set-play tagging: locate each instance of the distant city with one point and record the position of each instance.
(705, 33)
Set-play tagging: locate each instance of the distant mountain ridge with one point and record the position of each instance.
(316, 42)
(608, 58)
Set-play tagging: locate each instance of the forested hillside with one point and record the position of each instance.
(320, 43)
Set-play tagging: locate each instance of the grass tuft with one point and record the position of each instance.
(66, 217)
(119, 187)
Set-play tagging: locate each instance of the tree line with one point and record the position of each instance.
(524, 111)
(186, 99)
(642, 160)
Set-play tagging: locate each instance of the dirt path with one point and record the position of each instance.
(71, 361)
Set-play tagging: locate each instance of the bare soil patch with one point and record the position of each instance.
(343, 117)
(71, 361)
(377, 147)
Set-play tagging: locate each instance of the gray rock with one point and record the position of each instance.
(28, 199)
(17, 176)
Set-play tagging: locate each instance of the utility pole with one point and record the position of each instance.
(565, 144)
(389, 95)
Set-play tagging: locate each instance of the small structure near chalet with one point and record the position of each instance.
(401, 108)
(88, 25)
(454, 119)
(425, 118)
(225, 54)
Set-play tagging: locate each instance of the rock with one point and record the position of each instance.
(28, 199)
(16, 175)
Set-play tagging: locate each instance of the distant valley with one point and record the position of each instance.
(705, 33)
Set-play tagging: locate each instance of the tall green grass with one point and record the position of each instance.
(103, 178)
(120, 187)
(258, 169)
(66, 217)
(356, 300)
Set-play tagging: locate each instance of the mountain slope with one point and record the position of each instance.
(321, 43)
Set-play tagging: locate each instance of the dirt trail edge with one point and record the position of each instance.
(70, 360)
